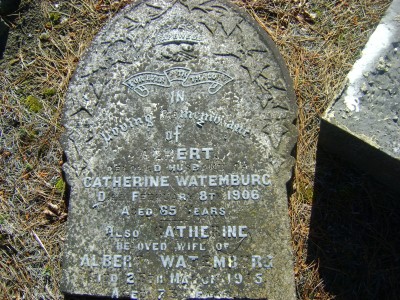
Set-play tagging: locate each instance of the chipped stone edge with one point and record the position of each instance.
(360, 150)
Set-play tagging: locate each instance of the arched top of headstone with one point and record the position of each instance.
(179, 129)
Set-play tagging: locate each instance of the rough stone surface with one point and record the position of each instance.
(179, 132)
(368, 109)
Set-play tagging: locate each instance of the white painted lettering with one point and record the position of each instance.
(127, 233)
(116, 182)
(101, 196)
(187, 231)
(135, 195)
(184, 181)
(181, 153)
(96, 182)
(130, 278)
(105, 180)
(117, 261)
(266, 180)
(213, 211)
(115, 294)
(207, 151)
(87, 182)
(193, 153)
(221, 262)
(220, 246)
(168, 261)
(122, 246)
(127, 181)
(177, 278)
(125, 211)
(169, 232)
(182, 246)
(134, 295)
(258, 262)
(106, 262)
(234, 231)
(85, 261)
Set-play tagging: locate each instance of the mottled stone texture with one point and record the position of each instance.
(362, 125)
(179, 132)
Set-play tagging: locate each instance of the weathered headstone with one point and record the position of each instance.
(179, 132)
(362, 125)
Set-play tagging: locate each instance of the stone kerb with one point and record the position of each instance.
(362, 125)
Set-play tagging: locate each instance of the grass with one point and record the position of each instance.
(319, 40)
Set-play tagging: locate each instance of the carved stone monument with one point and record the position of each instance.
(179, 132)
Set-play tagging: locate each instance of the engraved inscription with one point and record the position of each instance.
(177, 41)
(215, 79)
(179, 129)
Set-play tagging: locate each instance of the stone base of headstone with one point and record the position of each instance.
(362, 125)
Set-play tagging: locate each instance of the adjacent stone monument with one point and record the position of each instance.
(362, 125)
(179, 132)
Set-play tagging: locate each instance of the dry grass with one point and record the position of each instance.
(319, 40)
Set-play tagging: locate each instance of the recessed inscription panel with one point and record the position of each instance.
(178, 138)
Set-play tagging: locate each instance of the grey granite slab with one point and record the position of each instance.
(179, 132)
(362, 125)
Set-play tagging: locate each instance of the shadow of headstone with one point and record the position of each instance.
(6, 7)
(4, 30)
(354, 232)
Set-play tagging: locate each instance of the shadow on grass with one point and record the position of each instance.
(6, 7)
(354, 232)
(4, 30)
